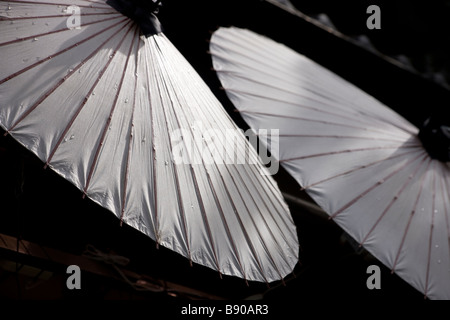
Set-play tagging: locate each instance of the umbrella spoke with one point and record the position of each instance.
(410, 217)
(394, 199)
(102, 6)
(346, 125)
(249, 178)
(348, 151)
(376, 185)
(445, 188)
(113, 107)
(61, 51)
(365, 166)
(174, 167)
(130, 135)
(433, 213)
(84, 101)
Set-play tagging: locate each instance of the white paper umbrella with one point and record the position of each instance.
(111, 110)
(359, 160)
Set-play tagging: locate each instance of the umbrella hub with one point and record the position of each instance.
(143, 12)
(435, 137)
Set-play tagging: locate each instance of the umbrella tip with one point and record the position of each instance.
(6, 133)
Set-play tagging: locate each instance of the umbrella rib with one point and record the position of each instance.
(113, 107)
(365, 192)
(249, 178)
(329, 103)
(217, 202)
(356, 169)
(394, 199)
(252, 169)
(56, 31)
(264, 244)
(175, 171)
(57, 4)
(263, 199)
(347, 151)
(154, 176)
(58, 16)
(430, 241)
(384, 121)
(318, 121)
(446, 195)
(252, 248)
(337, 137)
(247, 237)
(130, 134)
(410, 219)
(62, 51)
(83, 103)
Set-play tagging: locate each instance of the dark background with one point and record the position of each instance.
(39, 206)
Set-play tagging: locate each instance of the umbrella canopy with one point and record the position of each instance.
(113, 111)
(360, 161)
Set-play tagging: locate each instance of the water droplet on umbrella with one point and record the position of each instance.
(33, 23)
(47, 24)
(437, 246)
(422, 209)
(65, 140)
(439, 261)
(126, 100)
(435, 211)
(143, 139)
(79, 70)
(25, 60)
(72, 137)
(12, 22)
(110, 56)
(93, 93)
(35, 39)
(166, 163)
(9, 7)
